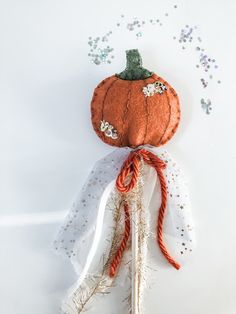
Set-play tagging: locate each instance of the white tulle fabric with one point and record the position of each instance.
(90, 213)
(84, 236)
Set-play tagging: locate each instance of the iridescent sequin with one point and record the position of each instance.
(204, 82)
(206, 105)
(188, 38)
(99, 51)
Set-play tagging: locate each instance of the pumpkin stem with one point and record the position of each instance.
(134, 69)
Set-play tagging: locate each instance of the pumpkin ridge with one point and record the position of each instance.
(173, 132)
(168, 99)
(147, 118)
(97, 112)
(173, 92)
(126, 109)
(148, 114)
(104, 99)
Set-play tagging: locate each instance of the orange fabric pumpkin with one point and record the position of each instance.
(135, 107)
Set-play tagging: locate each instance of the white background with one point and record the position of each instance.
(48, 146)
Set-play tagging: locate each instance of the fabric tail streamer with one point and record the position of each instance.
(118, 215)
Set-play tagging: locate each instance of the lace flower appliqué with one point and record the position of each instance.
(154, 88)
(108, 130)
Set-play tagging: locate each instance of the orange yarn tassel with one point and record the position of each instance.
(131, 167)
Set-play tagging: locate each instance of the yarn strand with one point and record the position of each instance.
(125, 182)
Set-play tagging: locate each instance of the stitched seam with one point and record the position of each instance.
(103, 102)
(168, 123)
(148, 112)
(147, 118)
(126, 111)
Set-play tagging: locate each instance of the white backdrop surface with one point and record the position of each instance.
(48, 146)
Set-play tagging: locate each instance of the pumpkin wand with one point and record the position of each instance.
(129, 193)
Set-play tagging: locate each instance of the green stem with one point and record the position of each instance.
(134, 69)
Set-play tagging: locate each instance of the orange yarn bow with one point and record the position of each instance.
(131, 168)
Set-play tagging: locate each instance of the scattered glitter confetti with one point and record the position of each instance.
(205, 61)
(99, 53)
(134, 24)
(206, 105)
(139, 34)
(188, 38)
(204, 82)
(186, 35)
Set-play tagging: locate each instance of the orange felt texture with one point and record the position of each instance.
(139, 120)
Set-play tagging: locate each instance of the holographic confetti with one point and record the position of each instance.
(139, 34)
(138, 26)
(155, 22)
(189, 38)
(205, 62)
(208, 65)
(204, 82)
(186, 35)
(99, 51)
(134, 25)
(206, 105)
